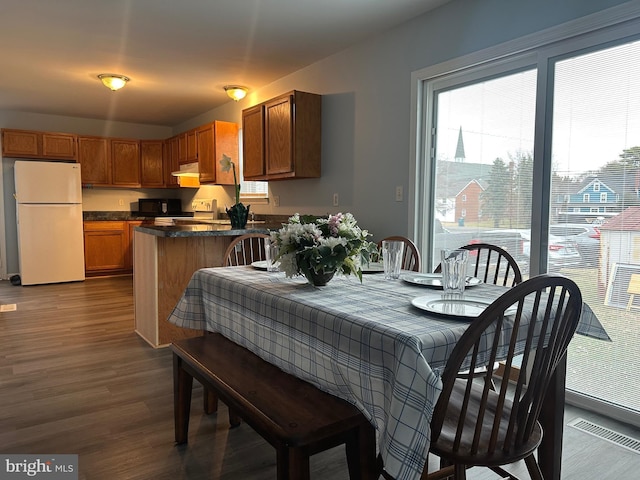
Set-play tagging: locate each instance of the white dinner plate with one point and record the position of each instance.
(463, 307)
(433, 280)
(260, 265)
(373, 267)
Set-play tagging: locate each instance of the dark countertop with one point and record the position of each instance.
(117, 216)
(264, 224)
(203, 230)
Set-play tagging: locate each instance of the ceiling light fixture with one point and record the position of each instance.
(236, 92)
(113, 81)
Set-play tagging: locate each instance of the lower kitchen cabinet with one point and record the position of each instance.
(108, 247)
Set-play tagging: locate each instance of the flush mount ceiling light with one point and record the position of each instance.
(113, 81)
(236, 92)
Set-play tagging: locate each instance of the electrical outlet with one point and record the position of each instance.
(121, 202)
(276, 200)
(336, 201)
(399, 193)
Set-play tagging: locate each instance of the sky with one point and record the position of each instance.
(596, 112)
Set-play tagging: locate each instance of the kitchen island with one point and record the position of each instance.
(165, 258)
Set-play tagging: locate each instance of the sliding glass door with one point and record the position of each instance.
(541, 155)
(596, 203)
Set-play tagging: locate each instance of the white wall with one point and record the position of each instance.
(366, 106)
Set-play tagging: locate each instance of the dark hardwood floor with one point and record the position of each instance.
(75, 378)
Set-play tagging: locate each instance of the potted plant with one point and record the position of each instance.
(319, 247)
(238, 213)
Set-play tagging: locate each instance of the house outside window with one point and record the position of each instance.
(603, 197)
(586, 198)
(596, 186)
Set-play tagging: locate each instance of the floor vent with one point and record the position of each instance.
(612, 436)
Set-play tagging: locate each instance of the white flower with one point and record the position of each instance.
(331, 244)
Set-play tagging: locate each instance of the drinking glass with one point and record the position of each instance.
(392, 252)
(271, 252)
(454, 270)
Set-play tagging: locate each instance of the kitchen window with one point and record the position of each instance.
(540, 126)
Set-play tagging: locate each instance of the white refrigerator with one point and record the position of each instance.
(49, 214)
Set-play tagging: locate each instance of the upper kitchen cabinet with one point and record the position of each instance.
(188, 147)
(31, 144)
(214, 140)
(125, 162)
(152, 164)
(171, 164)
(95, 161)
(282, 137)
(253, 142)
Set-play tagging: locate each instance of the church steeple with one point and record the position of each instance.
(460, 148)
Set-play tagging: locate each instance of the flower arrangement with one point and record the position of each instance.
(238, 213)
(313, 247)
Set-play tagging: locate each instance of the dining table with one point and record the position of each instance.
(376, 343)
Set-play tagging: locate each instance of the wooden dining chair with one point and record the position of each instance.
(245, 249)
(411, 255)
(491, 264)
(473, 425)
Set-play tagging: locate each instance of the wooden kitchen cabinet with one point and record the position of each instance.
(106, 248)
(95, 161)
(171, 162)
(125, 162)
(214, 140)
(253, 143)
(188, 147)
(37, 145)
(290, 126)
(152, 163)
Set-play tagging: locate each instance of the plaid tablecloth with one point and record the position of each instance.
(363, 342)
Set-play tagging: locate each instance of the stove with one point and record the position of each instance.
(204, 209)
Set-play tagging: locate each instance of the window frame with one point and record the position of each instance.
(611, 26)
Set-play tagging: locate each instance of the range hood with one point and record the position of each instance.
(188, 175)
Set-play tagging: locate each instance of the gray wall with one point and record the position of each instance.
(366, 110)
(367, 102)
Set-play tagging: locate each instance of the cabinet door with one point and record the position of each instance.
(170, 162)
(152, 163)
(105, 247)
(192, 146)
(206, 153)
(279, 135)
(59, 145)
(226, 143)
(188, 147)
(125, 161)
(95, 161)
(253, 142)
(20, 143)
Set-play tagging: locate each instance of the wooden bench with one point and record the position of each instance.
(294, 416)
